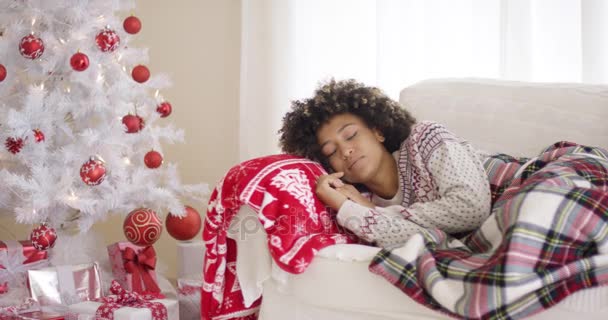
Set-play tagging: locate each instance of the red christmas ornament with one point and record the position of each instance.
(142, 227)
(184, 228)
(164, 109)
(107, 40)
(79, 61)
(31, 47)
(38, 135)
(43, 237)
(140, 73)
(14, 145)
(93, 172)
(153, 159)
(2, 72)
(134, 123)
(132, 25)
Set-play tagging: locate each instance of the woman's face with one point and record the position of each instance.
(351, 147)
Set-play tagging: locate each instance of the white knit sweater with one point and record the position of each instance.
(442, 184)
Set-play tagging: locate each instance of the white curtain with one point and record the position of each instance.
(289, 46)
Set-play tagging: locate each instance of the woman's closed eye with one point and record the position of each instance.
(351, 136)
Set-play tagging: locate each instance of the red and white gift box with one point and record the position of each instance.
(125, 305)
(65, 285)
(133, 267)
(16, 258)
(189, 297)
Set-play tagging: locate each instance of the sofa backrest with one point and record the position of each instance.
(516, 118)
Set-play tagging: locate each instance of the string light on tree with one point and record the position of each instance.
(140, 73)
(93, 172)
(133, 123)
(153, 159)
(132, 25)
(107, 40)
(79, 61)
(31, 47)
(43, 237)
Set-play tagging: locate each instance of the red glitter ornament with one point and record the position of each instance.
(164, 109)
(38, 135)
(140, 73)
(153, 159)
(132, 25)
(2, 72)
(184, 228)
(134, 123)
(14, 145)
(79, 61)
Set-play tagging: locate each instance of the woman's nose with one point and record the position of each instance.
(347, 153)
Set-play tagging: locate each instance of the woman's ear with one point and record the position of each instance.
(379, 136)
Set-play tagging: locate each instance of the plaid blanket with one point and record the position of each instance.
(547, 238)
(280, 189)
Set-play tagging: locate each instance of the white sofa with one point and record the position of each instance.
(497, 116)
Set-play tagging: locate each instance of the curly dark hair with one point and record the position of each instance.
(376, 109)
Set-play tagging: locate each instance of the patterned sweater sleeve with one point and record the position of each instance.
(462, 205)
(384, 226)
(464, 193)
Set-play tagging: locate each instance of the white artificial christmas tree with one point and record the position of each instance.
(75, 125)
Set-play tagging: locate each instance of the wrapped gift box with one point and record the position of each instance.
(190, 256)
(38, 315)
(86, 311)
(65, 285)
(189, 297)
(142, 261)
(16, 258)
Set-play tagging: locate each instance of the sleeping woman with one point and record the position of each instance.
(419, 175)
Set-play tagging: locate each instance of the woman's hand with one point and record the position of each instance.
(326, 190)
(353, 194)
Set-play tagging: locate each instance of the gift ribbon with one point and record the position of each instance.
(140, 265)
(13, 266)
(124, 298)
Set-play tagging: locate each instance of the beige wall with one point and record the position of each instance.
(197, 43)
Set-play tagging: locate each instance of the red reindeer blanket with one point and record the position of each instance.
(280, 188)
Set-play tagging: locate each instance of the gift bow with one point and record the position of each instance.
(140, 265)
(123, 298)
(12, 266)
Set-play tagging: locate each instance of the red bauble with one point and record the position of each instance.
(164, 109)
(14, 145)
(43, 237)
(142, 227)
(93, 172)
(2, 72)
(140, 74)
(31, 47)
(79, 61)
(134, 123)
(132, 25)
(38, 135)
(107, 40)
(153, 159)
(184, 228)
